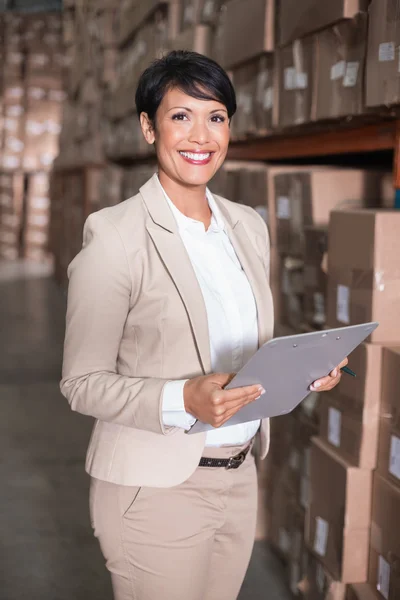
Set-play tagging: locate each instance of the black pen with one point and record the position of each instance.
(348, 371)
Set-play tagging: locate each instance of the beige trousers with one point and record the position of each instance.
(189, 542)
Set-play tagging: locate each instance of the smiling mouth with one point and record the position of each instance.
(196, 156)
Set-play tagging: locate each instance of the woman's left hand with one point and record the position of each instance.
(328, 383)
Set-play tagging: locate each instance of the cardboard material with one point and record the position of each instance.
(198, 39)
(389, 435)
(315, 280)
(350, 413)
(255, 96)
(296, 65)
(382, 73)
(318, 584)
(337, 524)
(248, 31)
(384, 574)
(298, 19)
(363, 279)
(362, 591)
(299, 200)
(339, 84)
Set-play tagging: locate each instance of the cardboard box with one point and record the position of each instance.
(318, 584)
(298, 19)
(382, 73)
(389, 435)
(254, 19)
(361, 591)
(190, 13)
(210, 11)
(363, 278)
(315, 279)
(339, 83)
(296, 65)
(197, 39)
(255, 96)
(338, 518)
(384, 573)
(298, 200)
(350, 413)
(134, 13)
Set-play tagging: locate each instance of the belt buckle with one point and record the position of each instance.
(235, 461)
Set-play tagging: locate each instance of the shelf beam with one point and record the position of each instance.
(328, 141)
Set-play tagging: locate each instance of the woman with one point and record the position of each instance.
(168, 297)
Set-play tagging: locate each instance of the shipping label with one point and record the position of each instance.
(394, 463)
(321, 536)
(268, 101)
(290, 78)
(338, 70)
(283, 208)
(334, 426)
(343, 304)
(351, 76)
(383, 578)
(386, 51)
(301, 81)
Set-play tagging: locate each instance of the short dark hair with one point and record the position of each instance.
(193, 73)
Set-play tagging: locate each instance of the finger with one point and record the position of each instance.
(320, 383)
(231, 412)
(329, 386)
(343, 363)
(242, 392)
(222, 405)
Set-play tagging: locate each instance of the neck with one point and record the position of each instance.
(189, 200)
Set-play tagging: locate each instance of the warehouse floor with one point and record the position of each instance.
(46, 544)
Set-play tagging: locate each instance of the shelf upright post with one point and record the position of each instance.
(396, 167)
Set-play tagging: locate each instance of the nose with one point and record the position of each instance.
(199, 133)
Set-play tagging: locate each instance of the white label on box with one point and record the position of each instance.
(283, 208)
(262, 211)
(343, 304)
(386, 52)
(350, 79)
(319, 308)
(304, 487)
(268, 101)
(383, 578)
(321, 536)
(208, 9)
(290, 82)
(334, 426)
(301, 81)
(284, 540)
(338, 70)
(394, 464)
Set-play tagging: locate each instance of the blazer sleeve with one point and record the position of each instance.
(99, 294)
(264, 245)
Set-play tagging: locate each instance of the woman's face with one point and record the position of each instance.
(191, 137)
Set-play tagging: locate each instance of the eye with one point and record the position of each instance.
(179, 116)
(218, 119)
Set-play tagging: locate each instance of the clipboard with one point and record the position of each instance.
(287, 366)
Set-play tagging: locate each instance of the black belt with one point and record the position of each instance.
(229, 463)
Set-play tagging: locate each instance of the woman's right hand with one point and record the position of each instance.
(206, 399)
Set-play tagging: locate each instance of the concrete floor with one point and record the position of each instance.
(47, 551)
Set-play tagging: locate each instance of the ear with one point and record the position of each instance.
(147, 128)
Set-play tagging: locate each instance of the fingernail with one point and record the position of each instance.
(334, 373)
(263, 392)
(316, 385)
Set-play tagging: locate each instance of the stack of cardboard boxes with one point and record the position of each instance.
(32, 97)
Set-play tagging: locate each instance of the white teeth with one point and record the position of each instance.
(196, 155)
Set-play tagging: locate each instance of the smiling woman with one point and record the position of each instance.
(168, 298)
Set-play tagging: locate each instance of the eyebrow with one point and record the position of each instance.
(190, 110)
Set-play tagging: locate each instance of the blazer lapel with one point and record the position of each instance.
(164, 232)
(255, 272)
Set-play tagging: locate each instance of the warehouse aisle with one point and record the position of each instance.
(46, 545)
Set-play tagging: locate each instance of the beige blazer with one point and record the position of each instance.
(136, 319)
